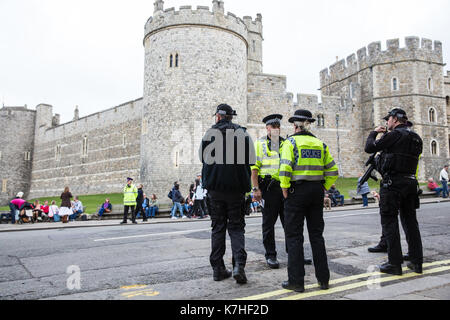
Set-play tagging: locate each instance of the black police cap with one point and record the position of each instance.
(302, 115)
(225, 110)
(399, 113)
(273, 118)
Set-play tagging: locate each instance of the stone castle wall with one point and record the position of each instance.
(16, 141)
(113, 153)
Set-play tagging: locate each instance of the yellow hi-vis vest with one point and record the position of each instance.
(306, 158)
(130, 194)
(267, 161)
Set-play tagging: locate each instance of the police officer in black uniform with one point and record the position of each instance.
(227, 180)
(398, 163)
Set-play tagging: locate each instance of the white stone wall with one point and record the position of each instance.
(113, 152)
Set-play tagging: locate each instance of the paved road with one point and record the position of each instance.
(171, 261)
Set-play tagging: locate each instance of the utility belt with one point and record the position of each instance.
(300, 182)
(268, 183)
(387, 178)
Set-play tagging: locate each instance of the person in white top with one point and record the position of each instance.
(444, 180)
(199, 203)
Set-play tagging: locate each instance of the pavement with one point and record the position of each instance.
(169, 260)
(112, 223)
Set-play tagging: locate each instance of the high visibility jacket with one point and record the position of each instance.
(267, 161)
(306, 158)
(130, 194)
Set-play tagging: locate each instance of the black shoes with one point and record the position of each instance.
(417, 268)
(308, 262)
(273, 263)
(220, 274)
(377, 248)
(294, 287)
(391, 269)
(239, 275)
(123, 222)
(324, 285)
(134, 222)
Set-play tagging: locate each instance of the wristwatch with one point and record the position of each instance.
(255, 189)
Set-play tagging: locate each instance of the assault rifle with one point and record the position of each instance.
(371, 171)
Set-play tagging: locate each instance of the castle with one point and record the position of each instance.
(196, 59)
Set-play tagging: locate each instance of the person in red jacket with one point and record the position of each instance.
(433, 186)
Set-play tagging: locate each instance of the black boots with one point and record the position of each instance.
(220, 274)
(239, 275)
(294, 287)
(417, 268)
(391, 269)
(377, 248)
(273, 263)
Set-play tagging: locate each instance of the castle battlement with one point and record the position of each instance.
(201, 16)
(416, 49)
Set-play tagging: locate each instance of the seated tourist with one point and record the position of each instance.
(77, 209)
(105, 208)
(53, 212)
(336, 196)
(433, 186)
(45, 210)
(37, 211)
(153, 206)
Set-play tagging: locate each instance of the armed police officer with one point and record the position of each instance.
(227, 152)
(266, 185)
(398, 164)
(307, 169)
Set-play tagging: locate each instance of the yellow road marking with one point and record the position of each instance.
(138, 286)
(146, 293)
(362, 284)
(336, 281)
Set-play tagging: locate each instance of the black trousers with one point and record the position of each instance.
(305, 202)
(273, 207)
(401, 197)
(141, 210)
(125, 213)
(227, 214)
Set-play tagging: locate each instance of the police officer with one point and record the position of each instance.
(227, 152)
(266, 185)
(401, 148)
(306, 171)
(130, 194)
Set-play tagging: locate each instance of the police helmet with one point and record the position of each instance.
(225, 110)
(399, 113)
(302, 115)
(273, 119)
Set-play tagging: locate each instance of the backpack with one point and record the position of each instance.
(170, 195)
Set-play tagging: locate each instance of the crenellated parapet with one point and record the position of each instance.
(416, 49)
(254, 26)
(201, 16)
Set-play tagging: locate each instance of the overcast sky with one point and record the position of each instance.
(90, 53)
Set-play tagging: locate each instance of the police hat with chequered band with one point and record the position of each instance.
(302, 115)
(273, 119)
(399, 113)
(225, 110)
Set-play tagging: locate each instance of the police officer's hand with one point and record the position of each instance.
(380, 129)
(257, 195)
(285, 193)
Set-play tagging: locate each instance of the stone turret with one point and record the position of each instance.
(76, 114)
(218, 7)
(159, 7)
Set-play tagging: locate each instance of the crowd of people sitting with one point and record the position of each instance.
(22, 211)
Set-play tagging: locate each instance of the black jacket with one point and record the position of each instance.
(233, 176)
(140, 197)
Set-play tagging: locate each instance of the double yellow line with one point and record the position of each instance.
(350, 286)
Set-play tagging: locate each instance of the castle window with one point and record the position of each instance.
(395, 84)
(320, 121)
(254, 45)
(85, 147)
(28, 156)
(58, 152)
(430, 84)
(177, 159)
(176, 60)
(4, 185)
(352, 90)
(432, 115)
(447, 101)
(171, 61)
(434, 148)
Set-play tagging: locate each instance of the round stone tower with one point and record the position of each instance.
(194, 61)
(16, 151)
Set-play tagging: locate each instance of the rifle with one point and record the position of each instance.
(370, 173)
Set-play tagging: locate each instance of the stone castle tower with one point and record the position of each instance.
(375, 81)
(196, 59)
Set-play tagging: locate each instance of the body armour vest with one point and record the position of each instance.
(402, 157)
